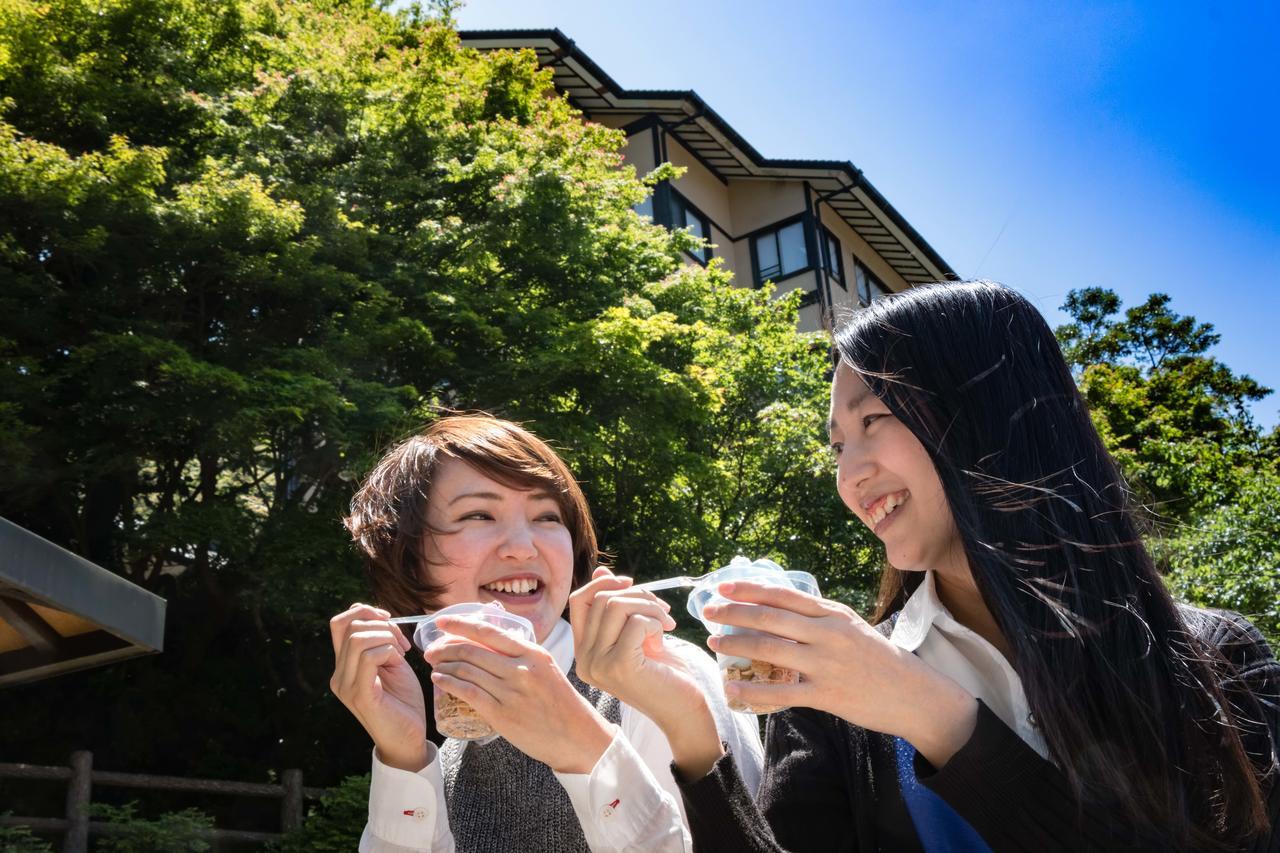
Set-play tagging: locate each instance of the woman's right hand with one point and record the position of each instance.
(848, 668)
(375, 682)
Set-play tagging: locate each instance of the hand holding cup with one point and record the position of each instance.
(514, 685)
(847, 667)
(455, 717)
(738, 669)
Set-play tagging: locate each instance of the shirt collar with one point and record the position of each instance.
(560, 644)
(922, 609)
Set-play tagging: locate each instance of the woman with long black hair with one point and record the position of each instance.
(1026, 682)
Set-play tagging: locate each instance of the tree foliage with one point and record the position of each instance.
(1230, 556)
(183, 831)
(20, 839)
(1178, 422)
(333, 824)
(244, 244)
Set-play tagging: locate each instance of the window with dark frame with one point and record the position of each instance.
(685, 215)
(831, 257)
(868, 286)
(780, 252)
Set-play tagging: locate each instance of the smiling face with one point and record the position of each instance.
(497, 543)
(885, 476)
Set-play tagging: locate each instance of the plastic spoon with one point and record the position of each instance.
(652, 586)
(410, 620)
(667, 583)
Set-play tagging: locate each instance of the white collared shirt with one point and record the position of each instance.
(407, 810)
(928, 629)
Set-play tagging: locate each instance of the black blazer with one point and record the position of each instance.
(832, 786)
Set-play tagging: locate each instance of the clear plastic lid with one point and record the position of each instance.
(741, 569)
(492, 613)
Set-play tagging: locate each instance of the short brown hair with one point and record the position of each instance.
(388, 518)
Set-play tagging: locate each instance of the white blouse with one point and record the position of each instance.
(928, 629)
(628, 802)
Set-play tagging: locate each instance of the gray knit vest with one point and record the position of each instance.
(501, 800)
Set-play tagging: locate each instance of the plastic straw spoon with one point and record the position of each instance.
(652, 586)
(667, 583)
(411, 620)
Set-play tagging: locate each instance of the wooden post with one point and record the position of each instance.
(79, 789)
(291, 805)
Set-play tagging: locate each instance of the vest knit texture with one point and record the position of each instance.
(501, 800)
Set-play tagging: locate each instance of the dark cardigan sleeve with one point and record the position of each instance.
(722, 815)
(1012, 797)
(807, 786)
(803, 803)
(1019, 801)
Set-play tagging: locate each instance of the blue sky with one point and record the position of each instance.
(1134, 146)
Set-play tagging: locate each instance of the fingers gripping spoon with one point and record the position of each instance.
(682, 582)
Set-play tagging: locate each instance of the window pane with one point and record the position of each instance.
(695, 225)
(645, 208)
(833, 255)
(698, 227)
(864, 286)
(676, 211)
(767, 255)
(791, 246)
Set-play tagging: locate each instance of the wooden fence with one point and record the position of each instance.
(81, 778)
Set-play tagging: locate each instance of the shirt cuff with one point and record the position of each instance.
(617, 801)
(407, 809)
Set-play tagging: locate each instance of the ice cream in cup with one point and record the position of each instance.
(454, 717)
(705, 592)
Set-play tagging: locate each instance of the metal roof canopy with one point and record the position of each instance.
(701, 130)
(60, 612)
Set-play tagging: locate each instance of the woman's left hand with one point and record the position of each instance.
(848, 668)
(618, 647)
(618, 636)
(517, 688)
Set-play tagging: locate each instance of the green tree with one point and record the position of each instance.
(1178, 422)
(702, 434)
(1230, 556)
(185, 831)
(1175, 417)
(245, 244)
(20, 839)
(333, 824)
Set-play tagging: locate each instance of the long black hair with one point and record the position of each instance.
(1127, 698)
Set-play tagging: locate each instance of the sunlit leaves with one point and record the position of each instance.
(1177, 421)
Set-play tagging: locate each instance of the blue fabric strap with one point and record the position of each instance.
(941, 830)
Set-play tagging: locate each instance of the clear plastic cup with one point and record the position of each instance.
(454, 717)
(746, 669)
